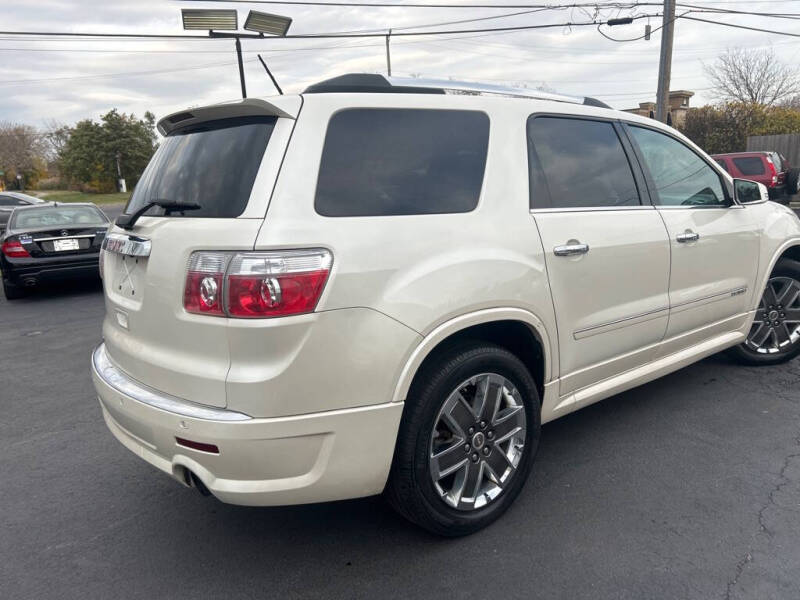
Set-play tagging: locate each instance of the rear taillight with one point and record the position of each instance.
(256, 284)
(203, 291)
(13, 249)
(772, 170)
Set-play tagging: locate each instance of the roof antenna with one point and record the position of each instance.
(266, 68)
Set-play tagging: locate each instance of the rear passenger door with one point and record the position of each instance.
(606, 248)
(715, 243)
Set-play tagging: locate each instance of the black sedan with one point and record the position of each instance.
(11, 200)
(50, 242)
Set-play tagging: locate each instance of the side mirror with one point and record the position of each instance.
(749, 192)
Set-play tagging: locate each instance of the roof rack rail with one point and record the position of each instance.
(374, 83)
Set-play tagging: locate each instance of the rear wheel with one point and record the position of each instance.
(793, 182)
(13, 291)
(775, 334)
(467, 441)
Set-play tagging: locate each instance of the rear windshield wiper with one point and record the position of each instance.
(128, 221)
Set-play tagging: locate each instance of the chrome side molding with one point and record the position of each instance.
(129, 245)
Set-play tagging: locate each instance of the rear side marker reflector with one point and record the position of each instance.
(254, 285)
(210, 448)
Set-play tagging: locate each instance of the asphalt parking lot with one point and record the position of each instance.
(688, 487)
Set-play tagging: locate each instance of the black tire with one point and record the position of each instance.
(793, 181)
(13, 291)
(785, 270)
(410, 489)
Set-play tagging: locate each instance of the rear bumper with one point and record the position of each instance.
(45, 270)
(315, 457)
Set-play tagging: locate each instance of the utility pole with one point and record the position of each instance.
(388, 55)
(665, 62)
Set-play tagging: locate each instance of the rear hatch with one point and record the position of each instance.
(225, 159)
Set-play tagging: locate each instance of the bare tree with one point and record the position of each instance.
(55, 137)
(20, 146)
(753, 77)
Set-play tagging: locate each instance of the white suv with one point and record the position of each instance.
(388, 286)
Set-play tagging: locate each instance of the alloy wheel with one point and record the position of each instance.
(477, 442)
(776, 327)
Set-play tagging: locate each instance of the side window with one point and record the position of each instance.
(680, 176)
(9, 201)
(749, 165)
(379, 162)
(578, 163)
(722, 164)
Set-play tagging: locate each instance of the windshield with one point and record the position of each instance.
(57, 216)
(213, 164)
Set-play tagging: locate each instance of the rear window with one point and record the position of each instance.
(749, 165)
(213, 164)
(378, 162)
(57, 216)
(721, 163)
(578, 163)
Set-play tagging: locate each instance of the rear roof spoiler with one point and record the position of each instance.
(283, 106)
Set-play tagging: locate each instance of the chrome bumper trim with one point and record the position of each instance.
(131, 388)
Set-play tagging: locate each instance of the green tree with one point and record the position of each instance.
(90, 153)
(726, 127)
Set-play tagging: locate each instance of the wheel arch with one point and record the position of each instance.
(518, 330)
(789, 249)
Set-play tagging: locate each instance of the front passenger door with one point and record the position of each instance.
(606, 252)
(714, 242)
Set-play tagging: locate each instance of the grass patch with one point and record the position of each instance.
(67, 196)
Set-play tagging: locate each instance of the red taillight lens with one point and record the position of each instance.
(13, 249)
(773, 171)
(202, 293)
(256, 284)
(274, 296)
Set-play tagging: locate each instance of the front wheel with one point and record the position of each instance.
(467, 440)
(775, 334)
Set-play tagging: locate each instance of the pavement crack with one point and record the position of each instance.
(770, 501)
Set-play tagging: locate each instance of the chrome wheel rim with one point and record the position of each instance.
(477, 441)
(776, 327)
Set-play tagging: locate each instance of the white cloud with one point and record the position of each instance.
(71, 79)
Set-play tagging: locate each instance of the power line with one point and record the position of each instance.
(741, 26)
(13, 82)
(325, 35)
(426, 4)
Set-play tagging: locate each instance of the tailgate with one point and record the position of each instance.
(147, 332)
(227, 165)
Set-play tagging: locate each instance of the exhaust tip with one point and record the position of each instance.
(197, 483)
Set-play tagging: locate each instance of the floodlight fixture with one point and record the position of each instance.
(208, 19)
(270, 24)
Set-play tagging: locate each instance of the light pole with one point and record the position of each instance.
(225, 23)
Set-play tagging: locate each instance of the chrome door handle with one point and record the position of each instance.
(688, 236)
(571, 248)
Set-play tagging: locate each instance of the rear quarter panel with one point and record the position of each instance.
(422, 270)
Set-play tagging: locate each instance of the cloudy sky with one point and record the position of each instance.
(68, 79)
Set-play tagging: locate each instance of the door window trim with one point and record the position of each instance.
(639, 180)
(651, 187)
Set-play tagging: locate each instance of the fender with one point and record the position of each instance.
(464, 321)
(761, 284)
